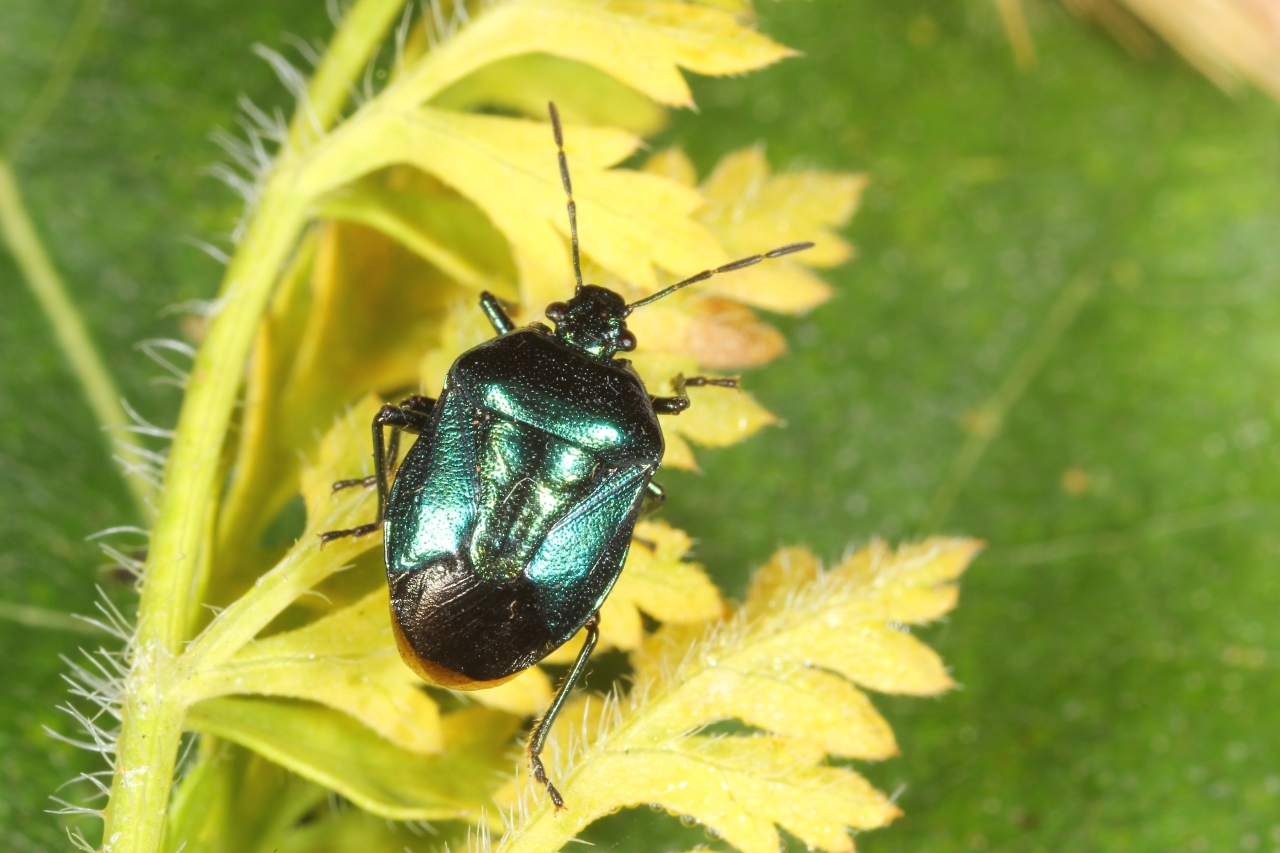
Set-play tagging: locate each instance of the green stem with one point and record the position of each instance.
(988, 421)
(155, 702)
(343, 63)
(40, 617)
(156, 698)
(70, 52)
(68, 326)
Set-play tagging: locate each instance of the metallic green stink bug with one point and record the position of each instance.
(510, 518)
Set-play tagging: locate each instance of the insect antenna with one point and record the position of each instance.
(568, 191)
(741, 263)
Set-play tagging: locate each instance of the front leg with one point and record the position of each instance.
(497, 315)
(412, 415)
(677, 404)
(417, 404)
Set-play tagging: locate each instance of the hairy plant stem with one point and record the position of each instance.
(156, 698)
(155, 701)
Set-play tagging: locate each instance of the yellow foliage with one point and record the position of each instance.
(346, 660)
(716, 417)
(332, 749)
(748, 207)
(643, 43)
(374, 233)
(789, 663)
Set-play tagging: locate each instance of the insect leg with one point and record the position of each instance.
(497, 315)
(538, 737)
(417, 404)
(654, 497)
(412, 415)
(371, 480)
(677, 404)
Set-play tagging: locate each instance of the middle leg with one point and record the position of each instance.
(412, 415)
(677, 404)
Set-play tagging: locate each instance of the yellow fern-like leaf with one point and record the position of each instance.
(749, 207)
(505, 166)
(346, 660)
(333, 750)
(643, 44)
(789, 662)
(717, 417)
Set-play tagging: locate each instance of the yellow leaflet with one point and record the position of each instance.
(777, 665)
(334, 750)
(739, 787)
(443, 231)
(719, 334)
(750, 206)
(716, 417)
(583, 94)
(679, 454)
(464, 327)
(673, 164)
(347, 660)
(726, 336)
(751, 210)
(643, 44)
(344, 453)
(789, 569)
(656, 580)
(630, 221)
(742, 787)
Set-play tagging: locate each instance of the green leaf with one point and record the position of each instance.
(583, 94)
(334, 750)
(347, 660)
(505, 167)
(773, 665)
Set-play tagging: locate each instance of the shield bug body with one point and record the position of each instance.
(510, 518)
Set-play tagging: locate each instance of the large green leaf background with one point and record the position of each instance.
(1092, 247)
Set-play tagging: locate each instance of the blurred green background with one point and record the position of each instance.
(1090, 249)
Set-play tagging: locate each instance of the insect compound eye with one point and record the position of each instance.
(626, 340)
(556, 311)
